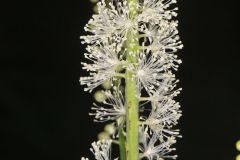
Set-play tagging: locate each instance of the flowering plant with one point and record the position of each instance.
(131, 53)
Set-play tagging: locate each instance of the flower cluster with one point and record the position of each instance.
(110, 30)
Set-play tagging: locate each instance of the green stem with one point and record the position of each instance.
(132, 92)
(122, 146)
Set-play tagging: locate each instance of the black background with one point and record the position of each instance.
(44, 111)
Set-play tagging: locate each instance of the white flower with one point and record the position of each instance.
(123, 21)
(101, 26)
(164, 41)
(101, 150)
(164, 115)
(154, 11)
(104, 62)
(149, 72)
(115, 109)
(165, 111)
(151, 148)
(111, 24)
(165, 89)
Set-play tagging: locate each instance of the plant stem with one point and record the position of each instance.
(122, 146)
(132, 92)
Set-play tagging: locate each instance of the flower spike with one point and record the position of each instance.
(131, 53)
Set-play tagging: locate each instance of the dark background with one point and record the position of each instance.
(44, 111)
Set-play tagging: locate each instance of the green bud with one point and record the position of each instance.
(238, 157)
(107, 85)
(238, 145)
(110, 129)
(103, 135)
(100, 96)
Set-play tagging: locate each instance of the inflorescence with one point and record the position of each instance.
(156, 61)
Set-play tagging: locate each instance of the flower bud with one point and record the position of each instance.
(238, 157)
(100, 96)
(110, 129)
(238, 145)
(107, 85)
(103, 135)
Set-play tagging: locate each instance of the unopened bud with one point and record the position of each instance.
(100, 96)
(103, 135)
(107, 84)
(238, 157)
(110, 129)
(238, 145)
